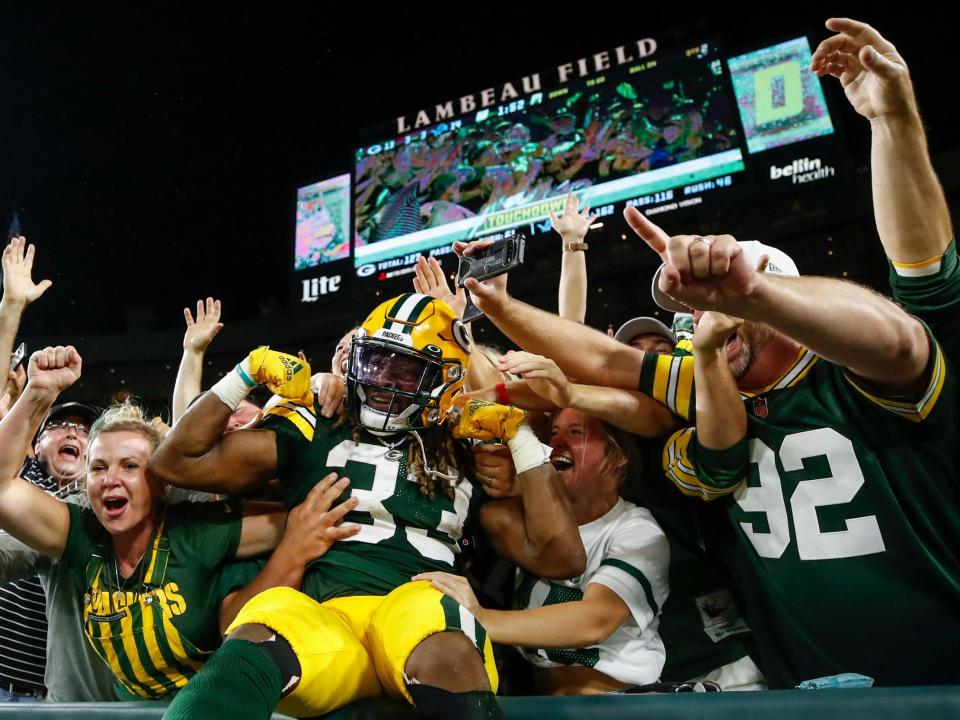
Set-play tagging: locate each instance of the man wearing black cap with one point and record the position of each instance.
(57, 465)
(60, 447)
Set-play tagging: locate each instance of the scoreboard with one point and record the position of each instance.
(680, 130)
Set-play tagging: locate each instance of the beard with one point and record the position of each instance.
(753, 338)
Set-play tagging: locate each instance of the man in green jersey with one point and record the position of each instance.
(843, 534)
(360, 627)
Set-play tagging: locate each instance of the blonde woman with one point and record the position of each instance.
(152, 576)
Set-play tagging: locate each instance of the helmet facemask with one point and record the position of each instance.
(408, 362)
(392, 388)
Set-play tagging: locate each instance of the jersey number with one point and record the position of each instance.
(376, 497)
(862, 536)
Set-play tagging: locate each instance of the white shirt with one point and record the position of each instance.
(628, 553)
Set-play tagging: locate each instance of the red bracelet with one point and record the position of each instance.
(503, 397)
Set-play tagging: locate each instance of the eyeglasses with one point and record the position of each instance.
(78, 428)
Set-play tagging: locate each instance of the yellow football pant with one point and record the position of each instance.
(356, 647)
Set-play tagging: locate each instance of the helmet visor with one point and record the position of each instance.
(390, 377)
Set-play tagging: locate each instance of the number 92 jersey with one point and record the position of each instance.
(403, 532)
(843, 507)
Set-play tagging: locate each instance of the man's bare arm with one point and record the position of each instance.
(311, 529)
(630, 410)
(196, 340)
(581, 352)
(591, 356)
(846, 323)
(911, 213)
(19, 290)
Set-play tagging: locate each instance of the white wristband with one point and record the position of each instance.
(527, 450)
(233, 387)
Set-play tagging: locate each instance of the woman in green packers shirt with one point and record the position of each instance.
(152, 576)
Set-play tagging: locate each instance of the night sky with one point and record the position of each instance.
(156, 153)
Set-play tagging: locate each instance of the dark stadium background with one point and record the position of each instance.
(155, 153)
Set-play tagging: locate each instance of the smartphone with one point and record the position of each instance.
(18, 356)
(496, 259)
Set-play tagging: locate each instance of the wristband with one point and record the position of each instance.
(575, 246)
(233, 387)
(503, 397)
(527, 450)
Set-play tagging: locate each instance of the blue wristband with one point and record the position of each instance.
(247, 380)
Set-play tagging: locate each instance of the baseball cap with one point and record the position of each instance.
(779, 263)
(86, 412)
(643, 326)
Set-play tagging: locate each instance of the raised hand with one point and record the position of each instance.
(488, 295)
(430, 280)
(873, 75)
(703, 273)
(18, 285)
(572, 225)
(16, 379)
(713, 330)
(204, 329)
(54, 369)
(541, 374)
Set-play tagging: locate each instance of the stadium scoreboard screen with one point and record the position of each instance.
(638, 129)
(669, 128)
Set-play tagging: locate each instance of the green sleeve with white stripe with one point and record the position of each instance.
(933, 295)
(702, 472)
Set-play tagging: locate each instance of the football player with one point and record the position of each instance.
(360, 627)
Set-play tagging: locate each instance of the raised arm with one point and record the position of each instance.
(27, 512)
(721, 418)
(19, 290)
(911, 212)
(196, 340)
(196, 454)
(848, 324)
(629, 410)
(580, 351)
(572, 226)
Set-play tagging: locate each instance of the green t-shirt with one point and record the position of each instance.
(155, 628)
(844, 514)
(403, 532)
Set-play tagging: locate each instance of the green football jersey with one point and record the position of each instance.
(700, 624)
(844, 522)
(403, 532)
(155, 628)
(931, 292)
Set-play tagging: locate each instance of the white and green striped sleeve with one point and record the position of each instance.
(636, 565)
